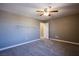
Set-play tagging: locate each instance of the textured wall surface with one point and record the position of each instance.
(16, 29)
(65, 28)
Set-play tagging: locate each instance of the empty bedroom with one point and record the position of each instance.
(39, 29)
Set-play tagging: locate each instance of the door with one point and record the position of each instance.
(44, 30)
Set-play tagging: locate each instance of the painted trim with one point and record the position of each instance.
(18, 45)
(75, 43)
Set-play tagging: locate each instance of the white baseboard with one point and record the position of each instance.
(75, 43)
(18, 45)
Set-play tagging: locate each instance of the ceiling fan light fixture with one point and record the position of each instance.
(46, 11)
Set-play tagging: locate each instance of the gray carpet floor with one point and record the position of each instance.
(43, 48)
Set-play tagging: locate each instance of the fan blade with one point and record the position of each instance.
(41, 14)
(54, 11)
(39, 11)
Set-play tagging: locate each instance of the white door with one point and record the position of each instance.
(44, 30)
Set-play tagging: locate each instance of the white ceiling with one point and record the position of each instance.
(29, 9)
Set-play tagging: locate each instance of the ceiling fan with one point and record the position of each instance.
(46, 11)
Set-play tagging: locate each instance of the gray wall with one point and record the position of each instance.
(65, 28)
(16, 29)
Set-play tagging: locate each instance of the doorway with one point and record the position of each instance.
(44, 30)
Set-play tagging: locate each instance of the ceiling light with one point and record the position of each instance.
(46, 11)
